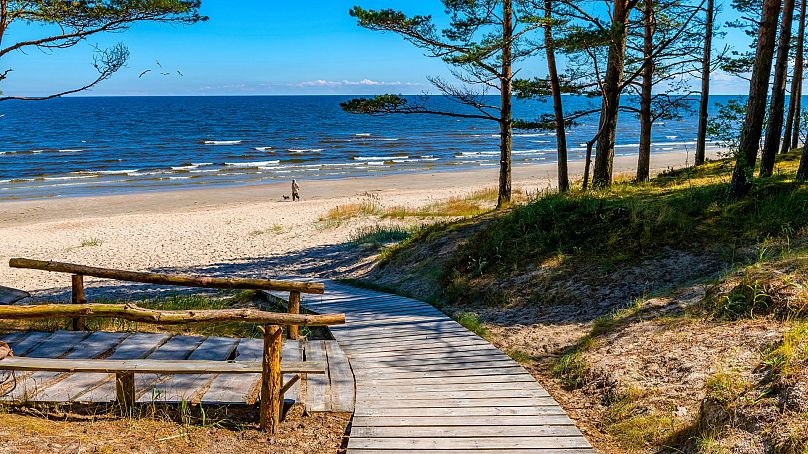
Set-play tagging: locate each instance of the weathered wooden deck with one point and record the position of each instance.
(424, 383)
(333, 391)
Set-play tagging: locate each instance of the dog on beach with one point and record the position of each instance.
(285, 197)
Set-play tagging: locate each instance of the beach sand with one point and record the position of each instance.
(249, 231)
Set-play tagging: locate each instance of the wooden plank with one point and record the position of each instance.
(14, 337)
(431, 350)
(404, 390)
(318, 397)
(188, 388)
(407, 394)
(176, 350)
(476, 451)
(469, 443)
(93, 345)
(27, 343)
(464, 412)
(72, 388)
(442, 421)
(465, 372)
(398, 322)
(238, 389)
(381, 402)
(341, 378)
(426, 359)
(292, 351)
(126, 369)
(426, 340)
(470, 379)
(486, 430)
(425, 384)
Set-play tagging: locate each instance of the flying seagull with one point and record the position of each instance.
(143, 73)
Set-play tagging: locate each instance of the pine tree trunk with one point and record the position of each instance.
(792, 137)
(701, 139)
(558, 108)
(774, 129)
(505, 123)
(615, 66)
(646, 122)
(752, 128)
(795, 132)
(802, 172)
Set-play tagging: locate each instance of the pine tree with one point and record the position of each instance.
(482, 42)
(71, 22)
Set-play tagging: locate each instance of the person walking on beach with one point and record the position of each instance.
(295, 190)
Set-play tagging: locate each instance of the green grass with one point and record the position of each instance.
(471, 321)
(571, 369)
(91, 242)
(726, 386)
(790, 356)
(377, 236)
(681, 209)
(274, 229)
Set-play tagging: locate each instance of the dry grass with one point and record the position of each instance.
(176, 432)
(473, 204)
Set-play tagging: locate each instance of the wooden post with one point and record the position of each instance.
(271, 385)
(77, 297)
(125, 390)
(294, 308)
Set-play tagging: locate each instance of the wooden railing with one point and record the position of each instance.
(79, 271)
(271, 379)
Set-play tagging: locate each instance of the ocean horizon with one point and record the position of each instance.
(83, 145)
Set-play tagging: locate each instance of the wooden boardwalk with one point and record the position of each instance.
(426, 384)
(333, 391)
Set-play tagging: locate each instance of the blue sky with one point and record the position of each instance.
(260, 47)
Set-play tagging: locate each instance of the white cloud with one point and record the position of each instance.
(352, 83)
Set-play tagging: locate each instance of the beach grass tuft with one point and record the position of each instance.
(91, 242)
(378, 236)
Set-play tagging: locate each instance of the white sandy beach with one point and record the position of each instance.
(228, 229)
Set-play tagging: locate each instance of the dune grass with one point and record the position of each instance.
(473, 204)
(91, 242)
(377, 236)
(687, 208)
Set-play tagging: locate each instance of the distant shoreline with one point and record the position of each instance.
(527, 177)
(248, 230)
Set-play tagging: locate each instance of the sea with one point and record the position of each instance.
(87, 146)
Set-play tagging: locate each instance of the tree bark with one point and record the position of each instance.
(752, 128)
(774, 129)
(506, 120)
(802, 172)
(139, 314)
(615, 67)
(271, 404)
(646, 122)
(791, 137)
(701, 139)
(558, 108)
(795, 131)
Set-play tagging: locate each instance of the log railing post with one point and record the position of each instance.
(294, 308)
(271, 385)
(125, 390)
(77, 297)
